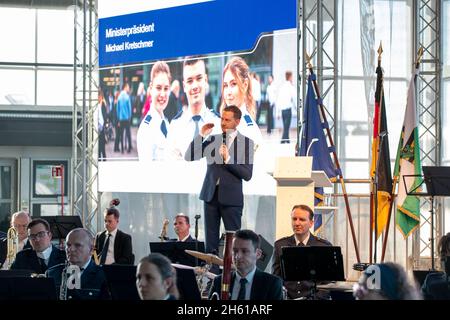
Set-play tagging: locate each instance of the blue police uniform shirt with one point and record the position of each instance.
(249, 128)
(182, 130)
(151, 136)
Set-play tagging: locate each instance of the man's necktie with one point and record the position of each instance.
(300, 244)
(196, 120)
(241, 295)
(164, 128)
(105, 250)
(42, 264)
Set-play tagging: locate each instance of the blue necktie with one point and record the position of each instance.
(105, 250)
(164, 128)
(241, 295)
(196, 120)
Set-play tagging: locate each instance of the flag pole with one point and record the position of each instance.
(380, 138)
(336, 161)
(395, 178)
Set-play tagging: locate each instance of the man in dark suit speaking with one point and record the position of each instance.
(230, 160)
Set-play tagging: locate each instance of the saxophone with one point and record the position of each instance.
(163, 235)
(12, 246)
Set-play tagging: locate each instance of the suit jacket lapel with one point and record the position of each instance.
(255, 288)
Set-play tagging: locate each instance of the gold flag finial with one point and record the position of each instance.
(308, 60)
(380, 51)
(419, 56)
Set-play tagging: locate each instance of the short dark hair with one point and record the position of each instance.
(190, 61)
(113, 211)
(288, 75)
(39, 221)
(182, 215)
(161, 262)
(245, 234)
(305, 208)
(237, 113)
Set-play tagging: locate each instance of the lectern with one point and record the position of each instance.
(295, 185)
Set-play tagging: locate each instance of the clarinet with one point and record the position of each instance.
(63, 287)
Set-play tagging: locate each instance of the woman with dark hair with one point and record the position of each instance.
(156, 278)
(437, 284)
(385, 281)
(113, 245)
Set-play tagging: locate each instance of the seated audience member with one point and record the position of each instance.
(19, 221)
(248, 282)
(181, 225)
(302, 220)
(43, 254)
(385, 281)
(92, 284)
(114, 245)
(437, 284)
(156, 278)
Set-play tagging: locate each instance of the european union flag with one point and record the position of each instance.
(314, 139)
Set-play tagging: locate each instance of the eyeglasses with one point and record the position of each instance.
(39, 235)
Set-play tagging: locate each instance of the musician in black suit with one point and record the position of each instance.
(248, 282)
(119, 248)
(230, 160)
(92, 284)
(19, 221)
(43, 254)
(181, 225)
(302, 219)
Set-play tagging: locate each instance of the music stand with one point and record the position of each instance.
(15, 273)
(175, 251)
(187, 284)
(121, 281)
(60, 226)
(314, 264)
(22, 288)
(437, 181)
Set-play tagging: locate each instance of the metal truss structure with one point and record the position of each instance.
(427, 21)
(85, 197)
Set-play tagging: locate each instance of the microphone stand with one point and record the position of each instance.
(196, 236)
(381, 135)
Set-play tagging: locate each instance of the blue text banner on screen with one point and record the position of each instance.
(195, 29)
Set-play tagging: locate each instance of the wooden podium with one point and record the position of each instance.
(295, 185)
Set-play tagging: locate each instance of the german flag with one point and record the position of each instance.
(381, 164)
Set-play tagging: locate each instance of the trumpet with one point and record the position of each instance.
(12, 246)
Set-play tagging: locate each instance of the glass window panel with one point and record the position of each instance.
(55, 36)
(54, 87)
(353, 101)
(17, 34)
(356, 170)
(16, 86)
(5, 182)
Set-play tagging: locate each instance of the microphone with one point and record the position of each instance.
(197, 216)
(224, 138)
(310, 145)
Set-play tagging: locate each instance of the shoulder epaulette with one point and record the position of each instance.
(215, 113)
(248, 120)
(178, 115)
(147, 119)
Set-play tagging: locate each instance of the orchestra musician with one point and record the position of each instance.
(112, 244)
(19, 221)
(248, 282)
(302, 219)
